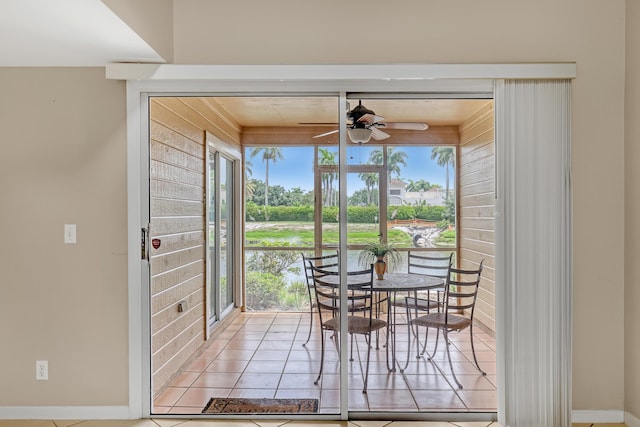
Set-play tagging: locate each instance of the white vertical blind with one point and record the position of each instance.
(534, 275)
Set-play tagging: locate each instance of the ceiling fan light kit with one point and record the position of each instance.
(359, 135)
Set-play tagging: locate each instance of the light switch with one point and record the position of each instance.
(70, 233)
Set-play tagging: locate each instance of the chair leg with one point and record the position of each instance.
(351, 355)
(446, 341)
(336, 342)
(417, 335)
(310, 318)
(366, 373)
(435, 347)
(412, 330)
(473, 350)
(419, 353)
(406, 362)
(322, 332)
(426, 339)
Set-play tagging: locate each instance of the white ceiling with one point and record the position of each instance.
(56, 33)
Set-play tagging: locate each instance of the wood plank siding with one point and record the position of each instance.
(476, 180)
(177, 193)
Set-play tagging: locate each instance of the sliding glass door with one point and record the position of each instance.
(223, 163)
(311, 188)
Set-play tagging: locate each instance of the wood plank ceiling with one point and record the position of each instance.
(291, 119)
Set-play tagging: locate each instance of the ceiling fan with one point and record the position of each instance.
(364, 124)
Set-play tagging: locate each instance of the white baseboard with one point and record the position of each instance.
(64, 413)
(631, 420)
(605, 416)
(123, 413)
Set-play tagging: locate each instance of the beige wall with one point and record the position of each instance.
(63, 161)
(632, 213)
(50, 117)
(150, 19)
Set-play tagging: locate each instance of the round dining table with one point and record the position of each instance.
(391, 285)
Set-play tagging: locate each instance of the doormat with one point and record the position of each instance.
(219, 405)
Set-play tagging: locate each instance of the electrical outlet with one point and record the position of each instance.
(42, 370)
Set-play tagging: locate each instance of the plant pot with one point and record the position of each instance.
(380, 267)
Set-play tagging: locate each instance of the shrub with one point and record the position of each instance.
(446, 238)
(267, 287)
(362, 214)
(263, 290)
(356, 214)
(295, 296)
(274, 262)
(330, 214)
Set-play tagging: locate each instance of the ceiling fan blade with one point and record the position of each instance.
(405, 125)
(370, 119)
(326, 133)
(377, 134)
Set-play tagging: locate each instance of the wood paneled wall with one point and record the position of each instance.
(476, 175)
(177, 192)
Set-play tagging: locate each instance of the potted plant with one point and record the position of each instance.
(380, 255)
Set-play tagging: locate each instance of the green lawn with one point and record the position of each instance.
(301, 233)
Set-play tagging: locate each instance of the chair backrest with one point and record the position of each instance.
(326, 283)
(461, 290)
(429, 264)
(325, 261)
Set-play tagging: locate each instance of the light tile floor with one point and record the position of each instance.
(261, 355)
(247, 423)
(236, 423)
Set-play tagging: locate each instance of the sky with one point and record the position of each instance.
(295, 169)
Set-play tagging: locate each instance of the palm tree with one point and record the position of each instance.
(394, 160)
(445, 156)
(418, 185)
(249, 185)
(268, 153)
(327, 158)
(370, 181)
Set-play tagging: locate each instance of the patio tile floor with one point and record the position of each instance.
(261, 355)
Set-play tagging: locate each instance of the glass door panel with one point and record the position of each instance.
(222, 261)
(226, 232)
(284, 208)
(214, 237)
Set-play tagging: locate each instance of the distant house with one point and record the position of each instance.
(396, 192)
(399, 196)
